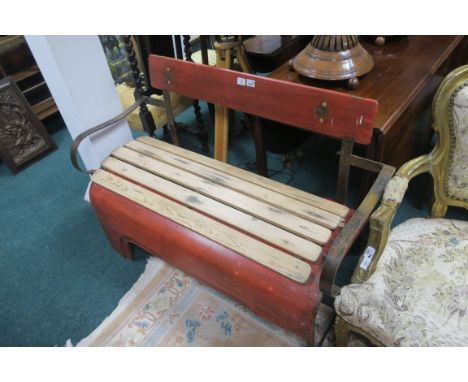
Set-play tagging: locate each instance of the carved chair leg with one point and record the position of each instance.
(438, 210)
(342, 330)
(203, 135)
(147, 120)
(145, 115)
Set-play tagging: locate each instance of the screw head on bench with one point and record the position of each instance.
(321, 111)
(168, 75)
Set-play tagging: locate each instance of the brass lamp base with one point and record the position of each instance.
(334, 58)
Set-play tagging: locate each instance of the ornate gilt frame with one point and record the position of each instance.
(436, 163)
(443, 125)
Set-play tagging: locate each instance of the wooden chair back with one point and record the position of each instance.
(317, 110)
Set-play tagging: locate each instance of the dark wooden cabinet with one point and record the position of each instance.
(17, 62)
(25, 101)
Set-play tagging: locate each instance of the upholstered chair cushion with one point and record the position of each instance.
(418, 294)
(395, 190)
(457, 180)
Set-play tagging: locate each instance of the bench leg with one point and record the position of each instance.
(119, 242)
(269, 295)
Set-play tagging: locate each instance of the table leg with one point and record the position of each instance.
(221, 133)
(343, 171)
(374, 152)
(222, 115)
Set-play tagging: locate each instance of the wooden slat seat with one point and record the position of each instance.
(305, 197)
(249, 204)
(260, 223)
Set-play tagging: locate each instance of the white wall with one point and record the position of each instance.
(77, 74)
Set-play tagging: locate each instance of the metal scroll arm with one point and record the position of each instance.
(77, 141)
(355, 225)
(381, 219)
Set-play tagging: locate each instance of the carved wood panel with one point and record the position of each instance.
(22, 136)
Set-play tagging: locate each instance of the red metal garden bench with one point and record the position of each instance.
(271, 246)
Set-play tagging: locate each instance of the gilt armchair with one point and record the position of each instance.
(410, 287)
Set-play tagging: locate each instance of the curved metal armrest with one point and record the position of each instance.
(381, 219)
(354, 226)
(142, 99)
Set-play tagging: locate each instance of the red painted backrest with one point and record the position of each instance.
(322, 111)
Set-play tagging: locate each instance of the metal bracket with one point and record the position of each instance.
(321, 112)
(168, 75)
(353, 228)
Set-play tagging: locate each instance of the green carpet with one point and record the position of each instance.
(59, 277)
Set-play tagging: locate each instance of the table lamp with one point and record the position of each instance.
(334, 58)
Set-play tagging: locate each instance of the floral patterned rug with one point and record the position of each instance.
(166, 307)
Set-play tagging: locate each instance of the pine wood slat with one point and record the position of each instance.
(313, 214)
(247, 246)
(238, 219)
(305, 197)
(280, 218)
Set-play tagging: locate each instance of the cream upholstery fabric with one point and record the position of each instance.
(197, 57)
(457, 182)
(418, 295)
(127, 98)
(395, 189)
